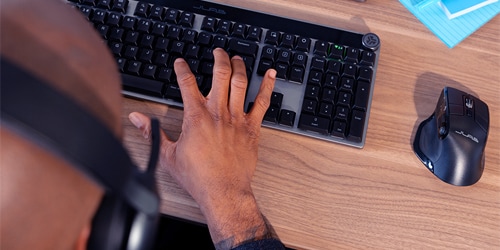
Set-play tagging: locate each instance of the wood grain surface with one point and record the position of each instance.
(320, 195)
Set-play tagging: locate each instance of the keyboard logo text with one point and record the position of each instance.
(211, 9)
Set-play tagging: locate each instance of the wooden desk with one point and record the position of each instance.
(320, 195)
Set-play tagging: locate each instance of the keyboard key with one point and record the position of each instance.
(224, 27)
(352, 55)
(287, 118)
(314, 123)
(119, 5)
(157, 12)
(186, 19)
(272, 114)
(276, 99)
(299, 59)
(159, 29)
(172, 15)
(367, 58)
(209, 24)
(312, 92)
(98, 16)
(113, 19)
(173, 92)
(318, 63)
(297, 74)
(254, 33)
(134, 67)
(264, 65)
(284, 56)
(105, 4)
(321, 48)
(287, 41)
(341, 113)
(339, 129)
(129, 22)
(142, 9)
(144, 25)
(303, 44)
(272, 37)
(239, 30)
(315, 77)
(282, 71)
(142, 85)
(345, 99)
(365, 73)
(309, 106)
(103, 30)
(337, 52)
(149, 71)
(357, 126)
(166, 74)
(242, 47)
(362, 95)
(328, 95)
(347, 85)
(269, 53)
(326, 110)
(349, 70)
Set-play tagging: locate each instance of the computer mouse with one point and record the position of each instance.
(451, 142)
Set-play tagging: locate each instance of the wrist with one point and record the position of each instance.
(235, 220)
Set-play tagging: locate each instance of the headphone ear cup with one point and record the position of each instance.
(111, 224)
(143, 231)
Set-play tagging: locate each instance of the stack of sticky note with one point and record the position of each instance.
(456, 8)
(453, 20)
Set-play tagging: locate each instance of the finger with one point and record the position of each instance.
(221, 76)
(143, 123)
(263, 98)
(191, 96)
(238, 88)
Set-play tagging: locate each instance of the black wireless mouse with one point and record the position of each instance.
(451, 141)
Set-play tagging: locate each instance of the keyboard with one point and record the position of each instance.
(325, 75)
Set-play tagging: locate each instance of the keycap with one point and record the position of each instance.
(314, 123)
(356, 126)
(272, 114)
(142, 85)
(287, 117)
(173, 92)
(242, 47)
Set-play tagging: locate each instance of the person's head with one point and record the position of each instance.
(45, 202)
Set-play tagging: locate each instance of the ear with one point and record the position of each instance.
(83, 237)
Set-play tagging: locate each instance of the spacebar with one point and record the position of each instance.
(142, 85)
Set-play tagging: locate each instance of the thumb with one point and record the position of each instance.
(143, 123)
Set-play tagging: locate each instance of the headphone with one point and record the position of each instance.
(127, 217)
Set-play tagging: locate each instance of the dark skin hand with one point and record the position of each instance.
(215, 157)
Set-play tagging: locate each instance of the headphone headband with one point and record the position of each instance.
(35, 110)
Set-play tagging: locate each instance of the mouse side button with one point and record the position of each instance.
(482, 116)
(456, 109)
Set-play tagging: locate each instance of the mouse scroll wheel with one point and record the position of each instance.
(469, 103)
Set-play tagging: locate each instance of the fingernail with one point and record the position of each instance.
(135, 120)
(272, 73)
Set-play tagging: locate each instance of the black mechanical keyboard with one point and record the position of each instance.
(325, 75)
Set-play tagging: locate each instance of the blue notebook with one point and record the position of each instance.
(456, 8)
(453, 31)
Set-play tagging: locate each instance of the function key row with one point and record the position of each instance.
(161, 13)
(114, 5)
(348, 54)
(234, 29)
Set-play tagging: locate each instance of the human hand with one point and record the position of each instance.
(215, 157)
